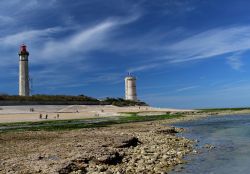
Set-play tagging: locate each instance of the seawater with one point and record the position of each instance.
(231, 137)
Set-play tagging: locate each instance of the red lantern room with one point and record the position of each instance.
(23, 50)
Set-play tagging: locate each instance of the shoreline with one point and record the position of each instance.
(127, 148)
(142, 147)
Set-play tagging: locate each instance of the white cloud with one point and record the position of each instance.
(20, 5)
(6, 19)
(186, 88)
(112, 78)
(235, 61)
(95, 37)
(46, 46)
(84, 40)
(28, 36)
(204, 45)
(143, 67)
(210, 43)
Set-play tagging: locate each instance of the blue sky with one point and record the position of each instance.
(184, 53)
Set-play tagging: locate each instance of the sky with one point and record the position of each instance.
(184, 53)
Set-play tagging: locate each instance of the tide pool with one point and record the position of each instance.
(231, 137)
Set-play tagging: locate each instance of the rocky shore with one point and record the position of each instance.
(127, 148)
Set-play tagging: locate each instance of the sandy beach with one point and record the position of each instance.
(23, 113)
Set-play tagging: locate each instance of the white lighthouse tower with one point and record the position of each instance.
(130, 88)
(24, 89)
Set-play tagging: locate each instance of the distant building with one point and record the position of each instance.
(24, 88)
(130, 88)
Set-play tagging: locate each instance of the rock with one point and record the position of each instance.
(209, 146)
(163, 172)
(77, 172)
(40, 157)
(143, 151)
(179, 154)
(75, 165)
(108, 172)
(171, 130)
(71, 167)
(108, 150)
(79, 145)
(110, 158)
(165, 157)
(102, 168)
(126, 142)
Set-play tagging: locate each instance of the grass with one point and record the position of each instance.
(61, 125)
(130, 113)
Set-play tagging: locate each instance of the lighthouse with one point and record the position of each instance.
(24, 89)
(130, 88)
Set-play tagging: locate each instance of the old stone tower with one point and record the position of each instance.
(130, 88)
(24, 88)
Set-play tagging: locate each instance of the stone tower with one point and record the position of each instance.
(24, 89)
(130, 88)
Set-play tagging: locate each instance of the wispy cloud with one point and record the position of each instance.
(211, 43)
(29, 36)
(143, 67)
(20, 5)
(205, 45)
(235, 61)
(6, 19)
(172, 7)
(104, 77)
(83, 41)
(186, 88)
(87, 39)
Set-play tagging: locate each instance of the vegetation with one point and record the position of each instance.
(121, 102)
(65, 99)
(46, 98)
(80, 123)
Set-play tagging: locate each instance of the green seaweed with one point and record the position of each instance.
(59, 125)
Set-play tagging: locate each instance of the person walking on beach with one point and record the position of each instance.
(57, 116)
(40, 116)
(46, 117)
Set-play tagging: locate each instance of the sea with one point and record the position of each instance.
(230, 135)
